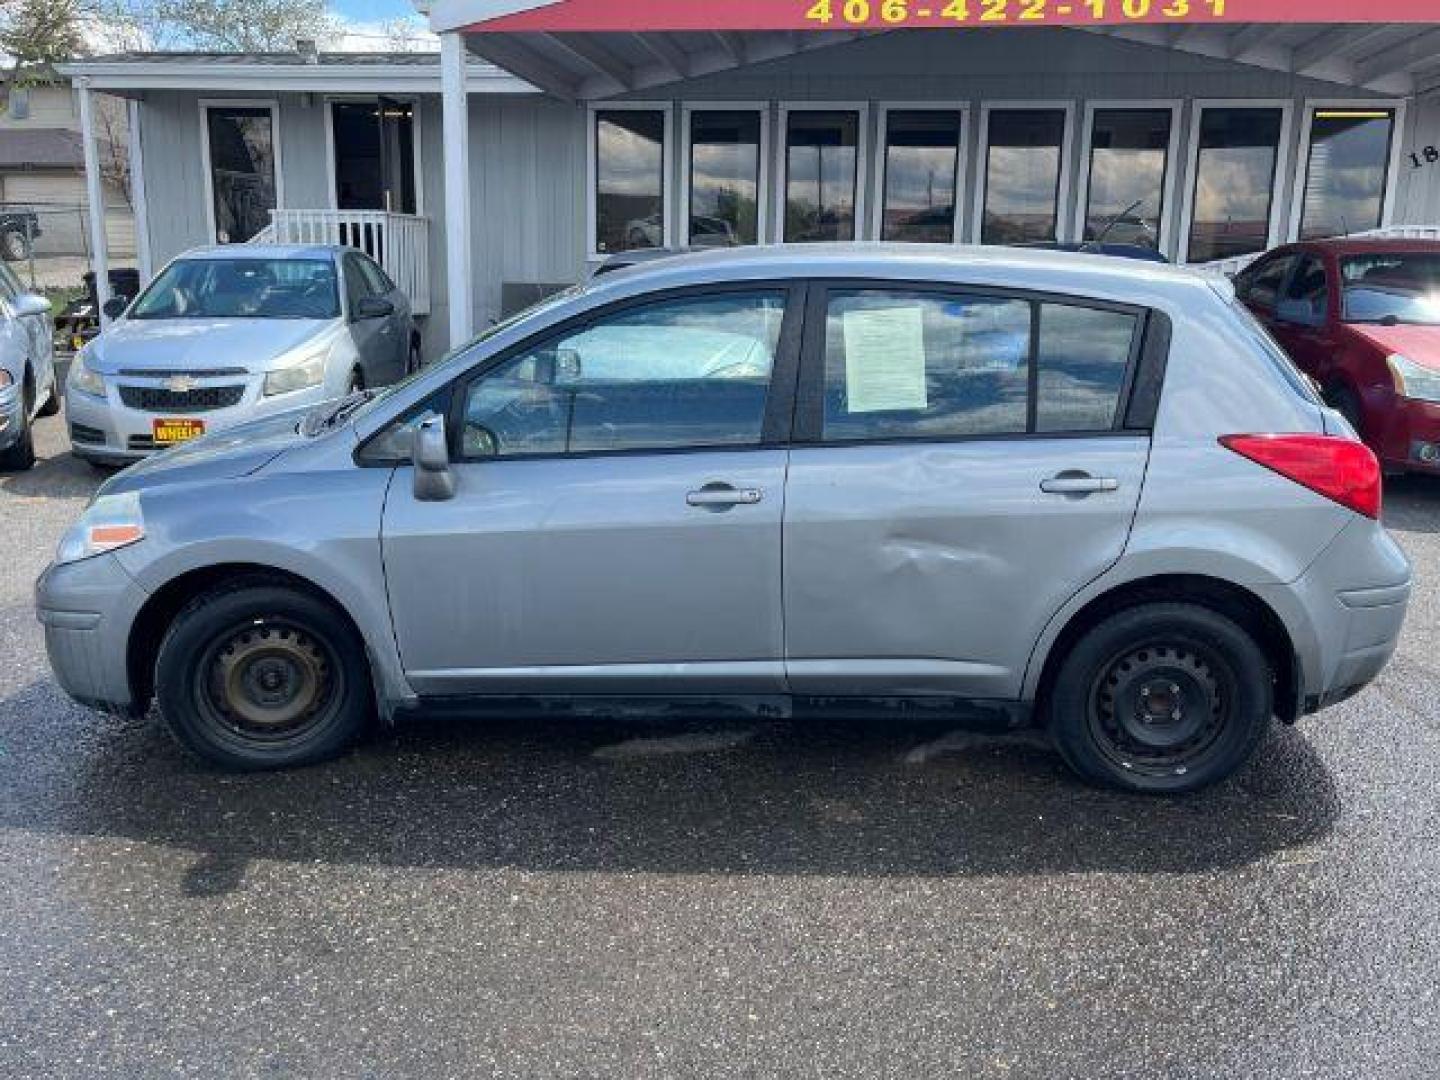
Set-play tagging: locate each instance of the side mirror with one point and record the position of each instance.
(115, 306)
(430, 454)
(1299, 312)
(374, 307)
(30, 304)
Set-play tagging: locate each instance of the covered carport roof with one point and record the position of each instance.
(587, 49)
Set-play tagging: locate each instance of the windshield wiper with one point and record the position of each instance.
(323, 418)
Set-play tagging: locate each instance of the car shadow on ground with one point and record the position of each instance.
(679, 797)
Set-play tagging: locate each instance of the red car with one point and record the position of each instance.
(1362, 318)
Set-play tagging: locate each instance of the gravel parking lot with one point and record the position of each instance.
(596, 897)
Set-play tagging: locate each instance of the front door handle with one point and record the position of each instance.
(720, 496)
(1078, 484)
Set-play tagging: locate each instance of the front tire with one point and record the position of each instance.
(1161, 698)
(262, 676)
(15, 245)
(20, 454)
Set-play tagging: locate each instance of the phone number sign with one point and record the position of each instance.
(638, 16)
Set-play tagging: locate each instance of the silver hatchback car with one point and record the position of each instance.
(1037, 488)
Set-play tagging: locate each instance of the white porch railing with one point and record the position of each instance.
(398, 242)
(1235, 264)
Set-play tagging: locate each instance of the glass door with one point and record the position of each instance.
(374, 154)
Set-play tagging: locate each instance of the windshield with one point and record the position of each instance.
(1398, 288)
(242, 289)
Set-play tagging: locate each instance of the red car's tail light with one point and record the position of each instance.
(1338, 468)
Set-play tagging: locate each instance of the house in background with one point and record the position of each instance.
(42, 168)
(544, 138)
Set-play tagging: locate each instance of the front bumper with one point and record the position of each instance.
(87, 609)
(1410, 436)
(108, 431)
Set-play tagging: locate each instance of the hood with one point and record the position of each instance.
(197, 345)
(1418, 343)
(225, 455)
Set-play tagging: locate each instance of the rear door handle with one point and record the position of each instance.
(1078, 485)
(723, 495)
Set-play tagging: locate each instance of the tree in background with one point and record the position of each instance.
(35, 34)
(214, 25)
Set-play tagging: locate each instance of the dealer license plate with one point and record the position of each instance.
(170, 432)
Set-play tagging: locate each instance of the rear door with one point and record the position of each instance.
(1302, 322)
(964, 464)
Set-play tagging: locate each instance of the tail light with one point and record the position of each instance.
(1338, 468)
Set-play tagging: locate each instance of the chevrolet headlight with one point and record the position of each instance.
(110, 522)
(1412, 380)
(85, 378)
(307, 372)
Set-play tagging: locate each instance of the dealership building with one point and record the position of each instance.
(545, 137)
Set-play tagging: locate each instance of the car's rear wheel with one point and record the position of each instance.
(1165, 697)
(412, 359)
(14, 245)
(20, 454)
(263, 676)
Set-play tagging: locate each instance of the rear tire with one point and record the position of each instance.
(1161, 698)
(14, 245)
(262, 676)
(20, 455)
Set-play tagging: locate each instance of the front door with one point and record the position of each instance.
(374, 154)
(967, 469)
(616, 523)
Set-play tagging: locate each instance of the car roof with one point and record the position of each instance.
(1123, 280)
(266, 251)
(1367, 245)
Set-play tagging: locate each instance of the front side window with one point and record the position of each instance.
(629, 179)
(724, 178)
(1234, 182)
(1391, 288)
(241, 142)
(821, 166)
(1262, 284)
(241, 289)
(922, 156)
(902, 365)
(1305, 295)
(1022, 176)
(1349, 165)
(683, 373)
(1129, 160)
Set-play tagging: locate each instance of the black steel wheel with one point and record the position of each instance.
(1161, 697)
(261, 676)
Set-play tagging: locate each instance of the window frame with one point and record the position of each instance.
(808, 428)
(1274, 226)
(775, 425)
(1063, 185)
(206, 166)
(592, 172)
(1173, 164)
(763, 199)
(862, 162)
(882, 160)
(1302, 162)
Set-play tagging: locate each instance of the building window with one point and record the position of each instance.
(1129, 164)
(1023, 150)
(629, 179)
(822, 159)
(922, 158)
(240, 141)
(1346, 172)
(725, 149)
(1234, 195)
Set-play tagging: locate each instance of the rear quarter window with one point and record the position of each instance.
(1267, 346)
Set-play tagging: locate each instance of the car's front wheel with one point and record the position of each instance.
(15, 245)
(1162, 697)
(261, 675)
(20, 454)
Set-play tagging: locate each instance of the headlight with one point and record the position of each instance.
(85, 378)
(110, 522)
(1412, 380)
(307, 372)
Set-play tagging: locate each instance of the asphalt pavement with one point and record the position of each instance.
(595, 897)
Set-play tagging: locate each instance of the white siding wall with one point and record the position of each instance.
(1419, 193)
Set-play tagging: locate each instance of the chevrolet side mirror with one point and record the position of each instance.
(430, 454)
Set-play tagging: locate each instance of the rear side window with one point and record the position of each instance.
(952, 365)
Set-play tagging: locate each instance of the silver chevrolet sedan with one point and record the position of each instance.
(1033, 488)
(228, 334)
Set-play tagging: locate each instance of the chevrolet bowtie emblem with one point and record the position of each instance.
(180, 384)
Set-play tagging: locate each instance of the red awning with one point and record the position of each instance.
(635, 16)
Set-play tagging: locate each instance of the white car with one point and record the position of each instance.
(27, 370)
(224, 335)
